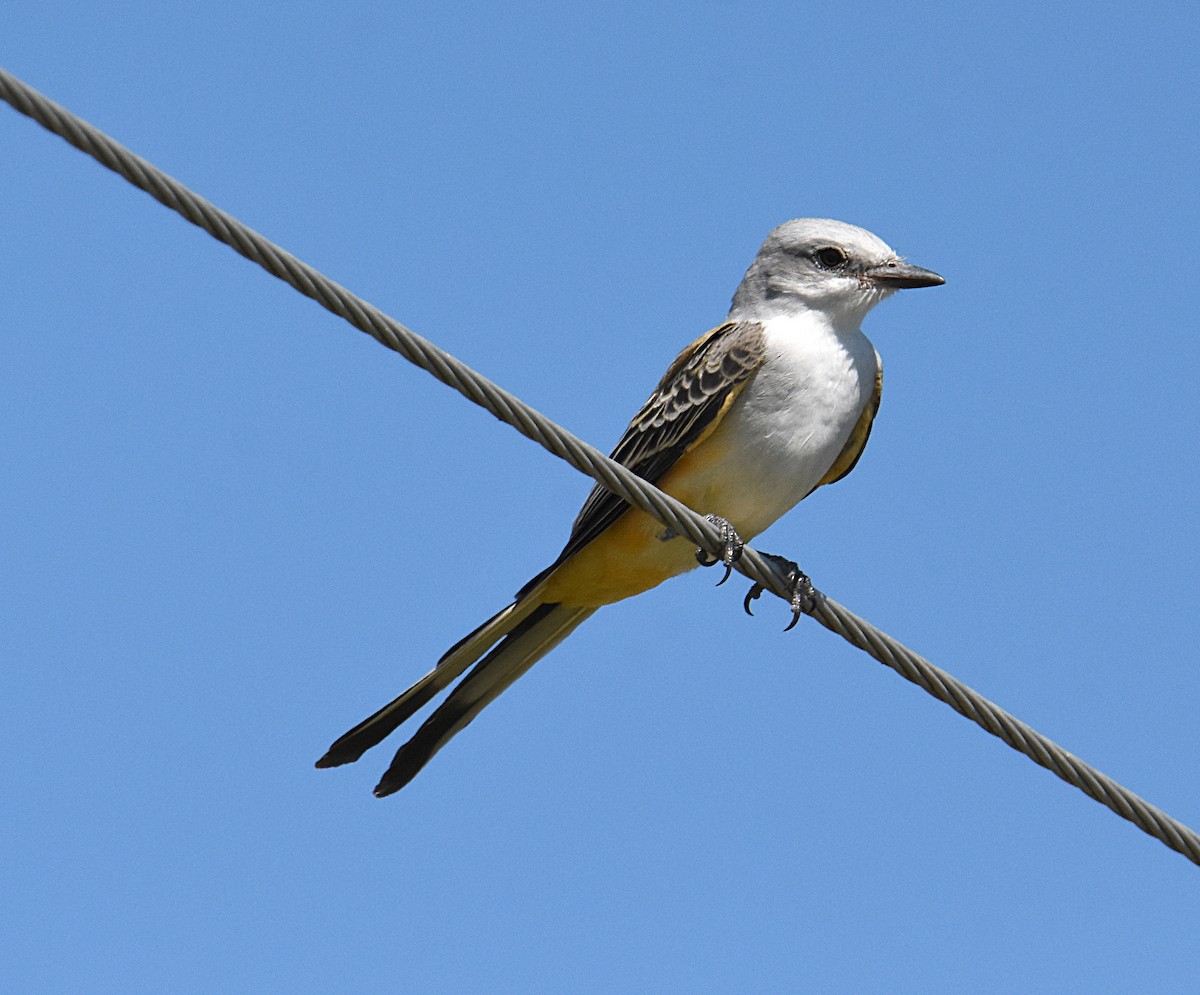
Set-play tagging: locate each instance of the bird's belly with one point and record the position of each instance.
(780, 439)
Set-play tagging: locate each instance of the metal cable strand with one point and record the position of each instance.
(591, 461)
(1008, 728)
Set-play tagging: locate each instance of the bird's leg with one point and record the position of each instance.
(731, 544)
(804, 595)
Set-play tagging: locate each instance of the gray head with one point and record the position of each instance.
(814, 264)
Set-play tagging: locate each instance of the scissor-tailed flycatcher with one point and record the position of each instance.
(750, 419)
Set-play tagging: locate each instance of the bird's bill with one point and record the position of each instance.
(901, 276)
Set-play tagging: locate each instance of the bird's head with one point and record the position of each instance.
(815, 264)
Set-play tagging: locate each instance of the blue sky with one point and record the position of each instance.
(233, 526)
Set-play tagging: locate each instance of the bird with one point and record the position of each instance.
(749, 419)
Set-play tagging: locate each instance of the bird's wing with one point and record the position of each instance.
(853, 449)
(695, 392)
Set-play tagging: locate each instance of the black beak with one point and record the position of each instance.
(902, 276)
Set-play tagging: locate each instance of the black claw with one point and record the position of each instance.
(753, 594)
(804, 595)
(732, 546)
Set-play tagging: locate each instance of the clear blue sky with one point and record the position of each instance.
(232, 526)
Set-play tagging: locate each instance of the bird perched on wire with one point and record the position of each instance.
(747, 421)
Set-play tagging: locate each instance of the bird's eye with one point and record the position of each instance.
(830, 257)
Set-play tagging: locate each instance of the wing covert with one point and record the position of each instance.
(696, 389)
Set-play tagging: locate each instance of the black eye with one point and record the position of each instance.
(830, 257)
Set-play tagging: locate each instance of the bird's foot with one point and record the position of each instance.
(804, 595)
(731, 544)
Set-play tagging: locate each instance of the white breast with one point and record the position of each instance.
(794, 418)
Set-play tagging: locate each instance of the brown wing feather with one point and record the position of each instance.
(697, 387)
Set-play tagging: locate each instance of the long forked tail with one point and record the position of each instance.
(453, 664)
(529, 630)
(525, 644)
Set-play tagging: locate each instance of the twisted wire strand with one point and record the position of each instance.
(589, 460)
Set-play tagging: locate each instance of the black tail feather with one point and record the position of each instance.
(528, 642)
(373, 730)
